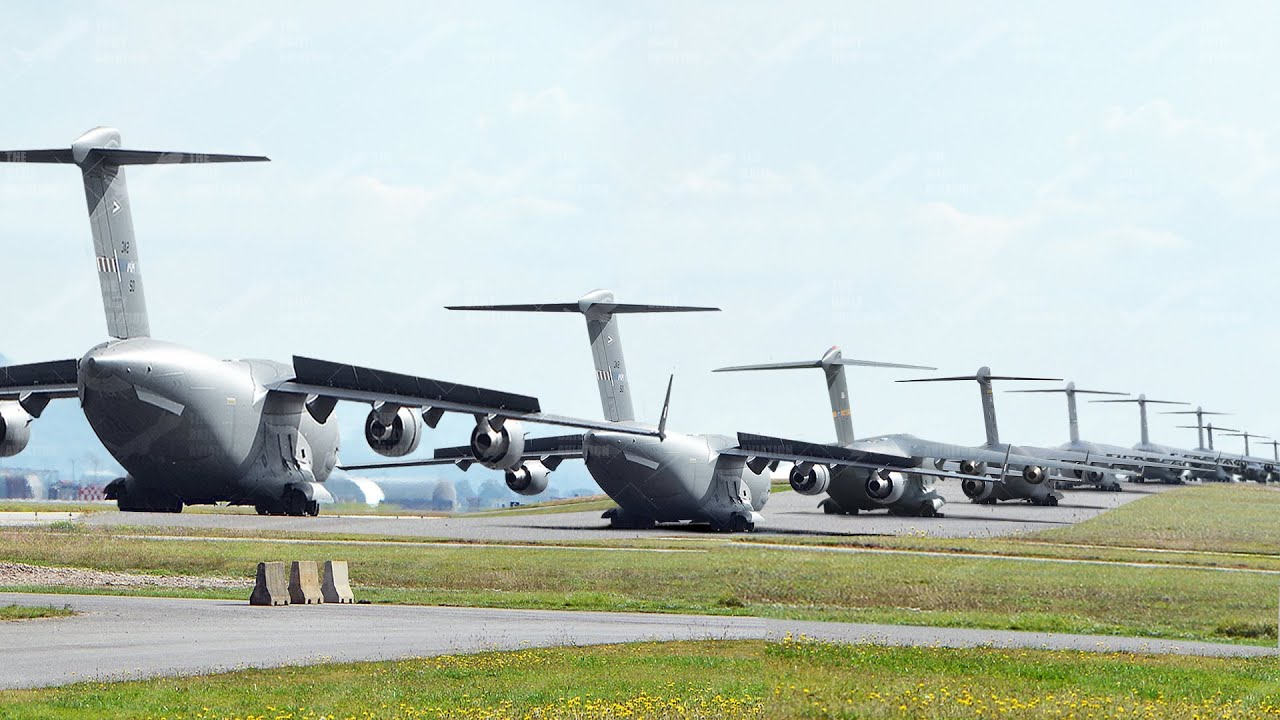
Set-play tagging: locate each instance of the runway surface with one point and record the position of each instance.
(116, 638)
(786, 513)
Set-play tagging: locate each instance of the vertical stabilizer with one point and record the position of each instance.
(1199, 412)
(1142, 401)
(600, 309)
(1073, 417)
(832, 364)
(984, 378)
(101, 159)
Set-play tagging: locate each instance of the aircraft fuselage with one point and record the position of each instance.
(190, 427)
(681, 477)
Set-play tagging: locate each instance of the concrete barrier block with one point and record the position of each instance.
(337, 584)
(270, 587)
(304, 583)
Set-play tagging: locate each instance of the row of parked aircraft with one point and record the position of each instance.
(192, 429)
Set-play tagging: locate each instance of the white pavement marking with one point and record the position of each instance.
(133, 637)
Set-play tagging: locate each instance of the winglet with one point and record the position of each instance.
(666, 406)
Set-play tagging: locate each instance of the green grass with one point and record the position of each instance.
(31, 612)
(55, 506)
(729, 578)
(1224, 518)
(792, 678)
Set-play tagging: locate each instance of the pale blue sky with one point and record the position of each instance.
(1086, 191)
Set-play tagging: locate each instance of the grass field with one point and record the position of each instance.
(1223, 518)
(730, 578)
(1097, 577)
(794, 677)
(24, 612)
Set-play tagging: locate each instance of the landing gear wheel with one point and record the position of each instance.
(740, 524)
(262, 509)
(1050, 501)
(928, 510)
(295, 503)
(313, 507)
(831, 507)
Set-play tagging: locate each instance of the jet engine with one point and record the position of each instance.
(529, 478)
(977, 490)
(972, 467)
(393, 435)
(809, 479)
(15, 429)
(885, 487)
(1089, 476)
(1034, 474)
(497, 448)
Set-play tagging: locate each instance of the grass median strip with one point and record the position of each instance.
(728, 579)
(794, 677)
(32, 612)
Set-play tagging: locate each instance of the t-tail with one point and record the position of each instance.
(1142, 401)
(1073, 419)
(832, 364)
(600, 310)
(984, 378)
(101, 161)
(1199, 412)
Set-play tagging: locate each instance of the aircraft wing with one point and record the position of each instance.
(335, 381)
(942, 453)
(550, 451)
(34, 385)
(1102, 460)
(765, 450)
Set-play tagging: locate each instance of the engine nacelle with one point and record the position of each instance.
(530, 478)
(972, 467)
(497, 448)
(1089, 476)
(1034, 474)
(885, 487)
(978, 490)
(15, 429)
(809, 479)
(394, 435)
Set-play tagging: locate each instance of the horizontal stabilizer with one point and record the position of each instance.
(847, 362)
(1142, 400)
(1191, 412)
(1064, 390)
(971, 378)
(613, 308)
(119, 156)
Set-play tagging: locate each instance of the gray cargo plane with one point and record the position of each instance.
(672, 477)
(988, 473)
(851, 489)
(190, 428)
(1132, 462)
(1208, 465)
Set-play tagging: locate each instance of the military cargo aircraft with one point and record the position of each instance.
(850, 489)
(671, 477)
(1114, 457)
(190, 428)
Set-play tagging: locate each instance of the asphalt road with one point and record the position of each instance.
(786, 513)
(116, 638)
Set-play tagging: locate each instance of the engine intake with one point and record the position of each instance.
(1089, 476)
(497, 448)
(978, 490)
(810, 479)
(973, 467)
(393, 434)
(15, 429)
(885, 487)
(1034, 474)
(530, 478)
